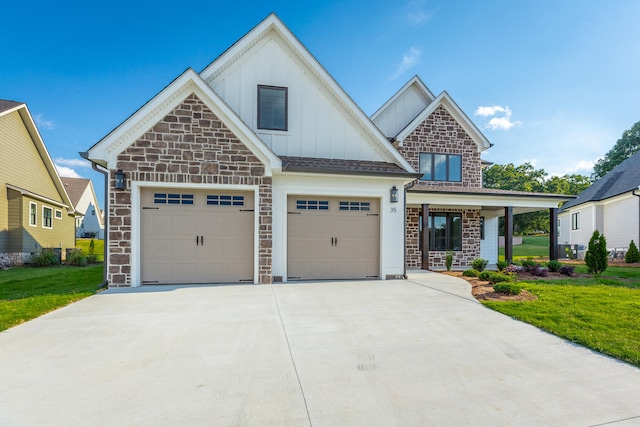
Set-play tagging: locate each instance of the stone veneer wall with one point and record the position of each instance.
(190, 145)
(470, 240)
(440, 133)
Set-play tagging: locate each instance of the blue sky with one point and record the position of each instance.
(554, 83)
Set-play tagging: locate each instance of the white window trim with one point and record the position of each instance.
(36, 215)
(43, 222)
(57, 214)
(577, 214)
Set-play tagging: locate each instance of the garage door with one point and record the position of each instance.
(196, 236)
(333, 238)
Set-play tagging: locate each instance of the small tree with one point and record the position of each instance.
(449, 260)
(596, 257)
(632, 255)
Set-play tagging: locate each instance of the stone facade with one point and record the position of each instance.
(440, 133)
(190, 145)
(461, 259)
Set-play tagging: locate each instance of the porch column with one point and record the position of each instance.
(553, 234)
(508, 233)
(425, 237)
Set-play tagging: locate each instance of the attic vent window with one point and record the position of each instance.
(272, 108)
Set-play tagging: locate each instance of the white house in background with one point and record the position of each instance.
(262, 169)
(610, 205)
(83, 197)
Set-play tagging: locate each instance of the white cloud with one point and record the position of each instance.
(409, 59)
(415, 15)
(80, 163)
(497, 123)
(67, 172)
(582, 165)
(48, 124)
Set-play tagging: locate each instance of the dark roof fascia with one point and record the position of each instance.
(600, 199)
(471, 193)
(338, 171)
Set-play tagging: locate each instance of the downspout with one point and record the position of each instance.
(638, 195)
(105, 263)
(404, 213)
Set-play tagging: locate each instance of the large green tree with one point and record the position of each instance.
(527, 178)
(624, 148)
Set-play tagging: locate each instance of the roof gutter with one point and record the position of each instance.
(355, 172)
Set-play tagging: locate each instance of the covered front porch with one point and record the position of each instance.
(464, 222)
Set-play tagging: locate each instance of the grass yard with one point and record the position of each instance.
(532, 246)
(26, 293)
(599, 313)
(98, 247)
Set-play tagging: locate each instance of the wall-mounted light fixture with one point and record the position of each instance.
(121, 180)
(394, 194)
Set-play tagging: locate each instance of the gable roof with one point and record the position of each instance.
(106, 151)
(273, 23)
(445, 100)
(75, 188)
(7, 107)
(623, 178)
(414, 82)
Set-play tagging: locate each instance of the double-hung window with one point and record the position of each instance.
(33, 214)
(575, 221)
(272, 108)
(47, 216)
(441, 167)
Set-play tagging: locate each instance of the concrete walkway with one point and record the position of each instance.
(417, 352)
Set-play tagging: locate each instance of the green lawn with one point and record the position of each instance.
(98, 247)
(26, 293)
(532, 246)
(599, 313)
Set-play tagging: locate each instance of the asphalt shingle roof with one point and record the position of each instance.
(339, 166)
(75, 188)
(7, 105)
(621, 179)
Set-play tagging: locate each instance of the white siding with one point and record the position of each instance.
(564, 232)
(402, 111)
(318, 125)
(391, 214)
(621, 221)
(489, 245)
(587, 225)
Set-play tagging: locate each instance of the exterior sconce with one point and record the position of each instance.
(394, 194)
(121, 180)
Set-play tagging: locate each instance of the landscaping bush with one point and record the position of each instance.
(502, 265)
(92, 257)
(494, 277)
(567, 270)
(512, 269)
(632, 255)
(529, 265)
(471, 273)
(540, 272)
(507, 288)
(596, 257)
(554, 265)
(77, 258)
(479, 264)
(45, 258)
(448, 261)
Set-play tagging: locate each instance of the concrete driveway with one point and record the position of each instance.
(417, 352)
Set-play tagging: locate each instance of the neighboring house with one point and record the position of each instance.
(262, 169)
(610, 205)
(35, 210)
(83, 197)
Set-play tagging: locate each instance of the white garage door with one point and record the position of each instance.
(333, 238)
(196, 236)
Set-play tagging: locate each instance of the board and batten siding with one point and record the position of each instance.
(402, 111)
(621, 221)
(489, 245)
(318, 125)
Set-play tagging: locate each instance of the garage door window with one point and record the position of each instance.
(172, 199)
(224, 200)
(355, 206)
(312, 205)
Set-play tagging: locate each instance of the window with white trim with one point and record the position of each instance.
(575, 221)
(354, 206)
(58, 214)
(33, 214)
(312, 205)
(47, 216)
(272, 107)
(224, 200)
(172, 199)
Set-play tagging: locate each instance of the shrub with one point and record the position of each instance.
(479, 264)
(471, 273)
(77, 258)
(507, 288)
(45, 258)
(448, 260)
(632, 255)
(596, 257)
(512, 269)
(502, 265)
(529, 265)
(92, 257)
(494, 277)
(567, 270)
(540, 272)
(554, 265)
